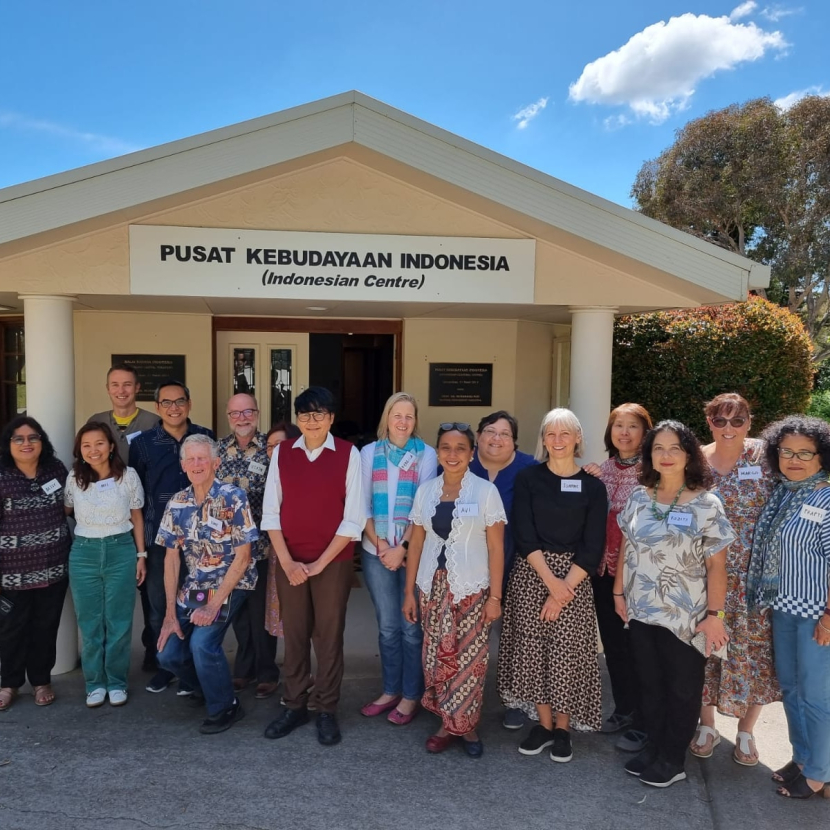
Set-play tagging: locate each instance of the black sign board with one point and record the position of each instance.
(460, 384)
(153, 368)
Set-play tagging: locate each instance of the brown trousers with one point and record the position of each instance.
(314, 613)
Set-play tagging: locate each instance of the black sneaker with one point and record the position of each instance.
(616, 723)
(561, 751)
(222, 721)
(538, 740)
(640, 763)
(328, 732)
(161, 680)
(287, 721)
(662, 774)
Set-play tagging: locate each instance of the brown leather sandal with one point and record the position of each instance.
(7, 696)
(44, 695)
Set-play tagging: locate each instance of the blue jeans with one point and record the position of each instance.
(199, 659)
(803, 668)
(399, 641)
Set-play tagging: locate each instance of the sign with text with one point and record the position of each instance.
(152, 369)
(220, 262)
(460, 384)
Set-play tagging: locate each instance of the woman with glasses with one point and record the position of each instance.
(456, 560)
(548, 649)
(107, 559)
(393, 468)
(789, 574)
(34, 548)
(670, 588)
(742, 682)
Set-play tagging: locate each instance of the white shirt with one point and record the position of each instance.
(103, 509)
(427, 470)
(354, 516)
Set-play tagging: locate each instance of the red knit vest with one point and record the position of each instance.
(313, 499)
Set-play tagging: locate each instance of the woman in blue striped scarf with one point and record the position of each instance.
(393, 467)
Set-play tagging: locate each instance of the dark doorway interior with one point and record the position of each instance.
(359, 370)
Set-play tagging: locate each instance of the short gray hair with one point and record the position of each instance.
(559, 417)
(199, 440)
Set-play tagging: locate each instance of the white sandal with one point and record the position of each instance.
(704, 742)
(745, 753)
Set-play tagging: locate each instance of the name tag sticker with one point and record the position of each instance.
(571, 486)
(680, 519)
(812, 514)
(214, 523)
(51, 487)
(749, 473)
(256, 468)
(105, 484)
(131, 436)
(407, 461)
(468, 510)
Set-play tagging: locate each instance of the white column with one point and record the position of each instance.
(592, 340)
(50, 399)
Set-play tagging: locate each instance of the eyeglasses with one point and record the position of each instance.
(491, 433)
(803, 455)
(450, 426)
(305, 417)
(236, 414)
(179, 403)
(675, 451)
(34, 438)
(720, 422)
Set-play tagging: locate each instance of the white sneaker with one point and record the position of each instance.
(96, 698)
(118, 697)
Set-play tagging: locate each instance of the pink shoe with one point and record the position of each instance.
(372, 710)
(401, 718)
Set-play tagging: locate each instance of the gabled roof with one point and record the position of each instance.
(351, 117)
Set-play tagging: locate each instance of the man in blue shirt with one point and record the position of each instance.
(155, 457)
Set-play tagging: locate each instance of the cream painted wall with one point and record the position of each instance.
(534, 348)
(98, 334)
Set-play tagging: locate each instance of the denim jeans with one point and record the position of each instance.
(102, 579)
(399, 641)
(803, 669)
(199, 659)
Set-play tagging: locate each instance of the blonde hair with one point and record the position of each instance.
(558, 417)
(383, 424)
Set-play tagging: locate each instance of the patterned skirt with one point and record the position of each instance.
(273, 622)
(456, 653)
(553, 663)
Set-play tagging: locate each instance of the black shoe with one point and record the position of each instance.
(616, 723)
(222, 721)
(538, 740)
(639, 763)
(662, 774)
(561, 751)
(149, 663)
(287, 721)
(475, 749)
(328, 732)
(161, 680)
(514, 719)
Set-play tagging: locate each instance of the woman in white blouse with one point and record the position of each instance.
(456, 554)
(107, 559)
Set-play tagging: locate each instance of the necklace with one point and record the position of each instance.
(655, 512)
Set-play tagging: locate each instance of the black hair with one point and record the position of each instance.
(314, 399)
(815, 429)
(84, 474)
(467, 433)
(169, 382)
(47, 451)
(501, 415)
(697, 468)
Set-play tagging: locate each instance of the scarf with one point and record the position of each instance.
(387, 452)
(765, 560)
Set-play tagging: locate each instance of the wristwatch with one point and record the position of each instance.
(721, 615)
(405, 544)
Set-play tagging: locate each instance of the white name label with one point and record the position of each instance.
(680, 519)
(131, 436)
(214, 523)
(468, 510)
(105, 484)
(812, 514)
(749, 473)
(407, 461)
(51, 487)
(256, 468)
(571, 486)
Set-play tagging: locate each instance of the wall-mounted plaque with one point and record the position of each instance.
(153, 368)
(460, 384)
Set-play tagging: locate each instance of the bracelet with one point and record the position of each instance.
(617, 595)
(497, 599)
(142, 554)
(824, 627)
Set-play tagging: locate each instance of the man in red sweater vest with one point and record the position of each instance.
(313, 512)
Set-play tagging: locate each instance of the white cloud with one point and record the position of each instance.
(525, 115)
(656, 72)
(794, 97)
(616, 122)
(775, 13)
(95, 141)
(744, 10)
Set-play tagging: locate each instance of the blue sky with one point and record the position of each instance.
(582, 91)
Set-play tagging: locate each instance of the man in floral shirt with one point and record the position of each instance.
(212, 524)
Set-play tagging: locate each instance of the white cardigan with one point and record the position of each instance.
(468, 568)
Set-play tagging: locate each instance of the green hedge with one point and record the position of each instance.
(672, 362)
